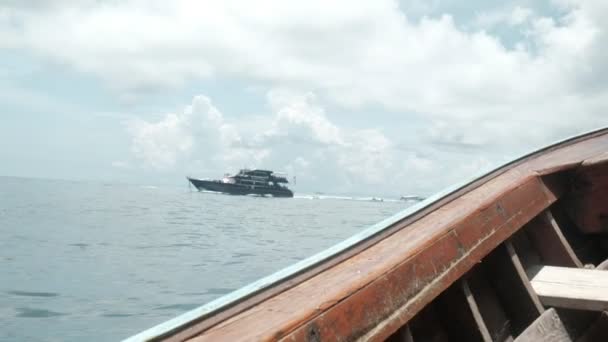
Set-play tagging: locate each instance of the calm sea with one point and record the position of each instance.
(100, 262)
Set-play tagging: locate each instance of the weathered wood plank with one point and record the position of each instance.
(442, 261)
(526, 252)
(596, 160)
(574, 288)
(392, 265)
(507, 276)
(549, 241)
(460, 314)
(481, 325)
(521, 274)
(547, 328)
(490, 308)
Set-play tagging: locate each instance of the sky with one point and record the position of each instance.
(361, 97)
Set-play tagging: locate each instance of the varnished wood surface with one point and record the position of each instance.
(373, 293)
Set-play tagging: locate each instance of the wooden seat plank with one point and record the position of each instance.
(573, 288)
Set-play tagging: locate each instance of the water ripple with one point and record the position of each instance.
(37, 313)
(116, 315)
(218, 290)
(179, 307)
(32, 294)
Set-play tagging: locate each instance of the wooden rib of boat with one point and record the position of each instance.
(517, 254)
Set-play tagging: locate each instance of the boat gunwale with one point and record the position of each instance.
(317, 263)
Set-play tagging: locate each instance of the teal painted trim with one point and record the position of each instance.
(306, 264)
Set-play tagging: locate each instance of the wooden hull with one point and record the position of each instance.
(470, 264)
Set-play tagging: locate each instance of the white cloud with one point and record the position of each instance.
(519, 15)
(363, 54)
(469, 87)
(361, 154)
(512, 16)
(300, 139)
(162, 144)
(296, 114)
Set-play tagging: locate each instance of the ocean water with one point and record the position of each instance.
(100, 262)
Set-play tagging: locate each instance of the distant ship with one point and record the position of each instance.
(247, 182)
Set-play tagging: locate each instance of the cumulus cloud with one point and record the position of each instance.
(300, 139)
(298, 136)
(517, 15)
(298, 118)
(200, 127)
(363, 154)
(469, 87)
(370, 54)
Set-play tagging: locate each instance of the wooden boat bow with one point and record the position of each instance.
(456, 267)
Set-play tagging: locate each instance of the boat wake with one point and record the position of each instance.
(349, 198)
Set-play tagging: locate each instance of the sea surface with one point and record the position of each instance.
(85, 261)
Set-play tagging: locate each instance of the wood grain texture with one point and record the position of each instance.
(526, 253)
(474, 308)
(372, 293)
(462, 320)
(415, 281)
(602, 158)
(490, 307)
(573, 288)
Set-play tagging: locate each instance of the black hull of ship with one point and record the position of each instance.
(238, 189)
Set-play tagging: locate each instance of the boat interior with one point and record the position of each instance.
(519, 254)
(546, 280)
